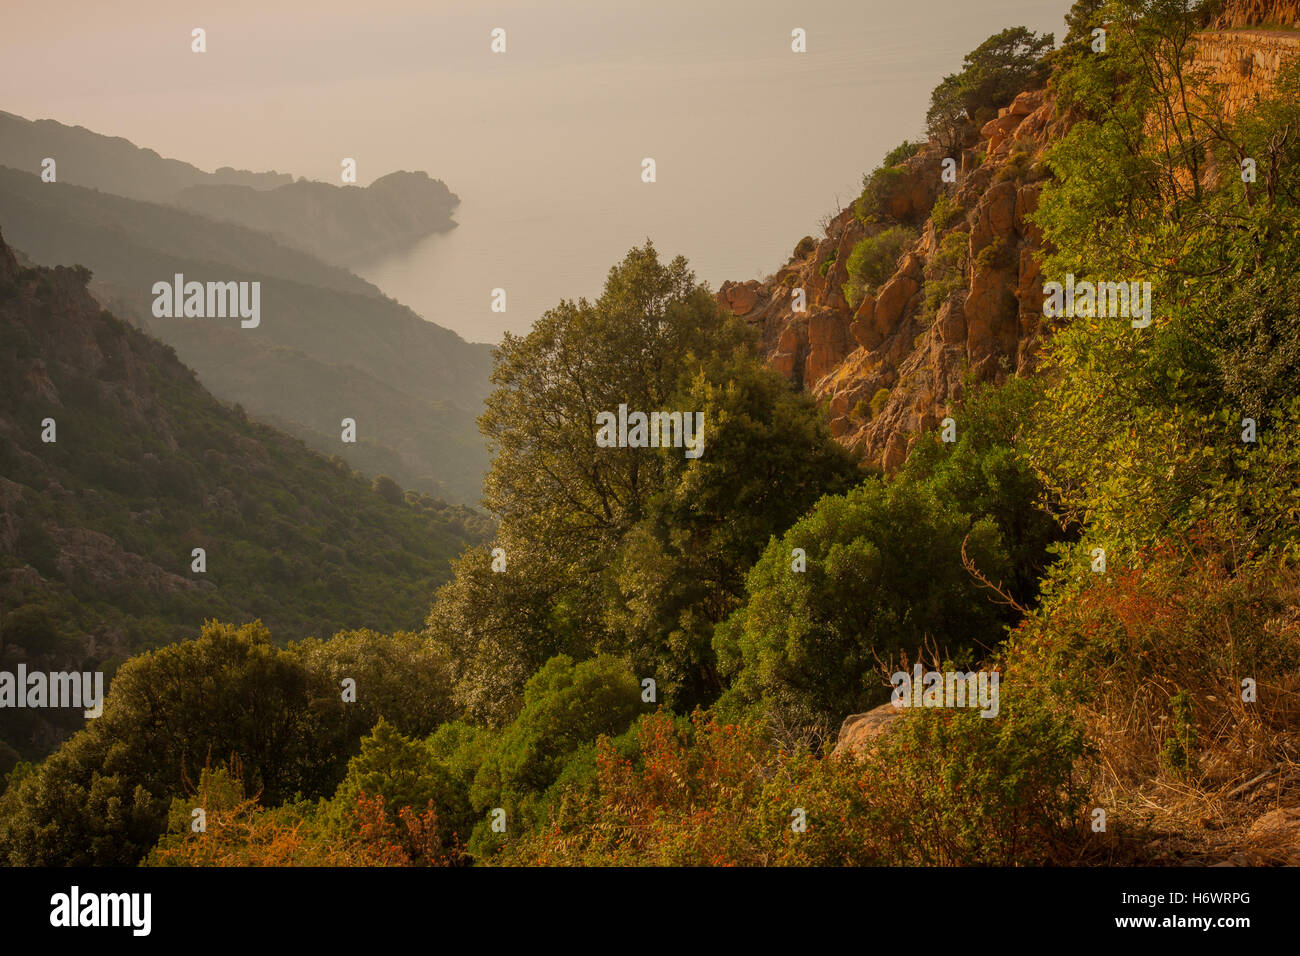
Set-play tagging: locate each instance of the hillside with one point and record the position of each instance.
(329, 345)
(336, 223)
(963, 302)
(339, 224)
(97, 527)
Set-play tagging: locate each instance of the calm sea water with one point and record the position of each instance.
(754, 144)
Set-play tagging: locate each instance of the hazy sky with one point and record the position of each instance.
(754, 144)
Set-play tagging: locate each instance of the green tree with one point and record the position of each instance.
(883, 573)
(566, 707)
(992, 74)
(571, 512)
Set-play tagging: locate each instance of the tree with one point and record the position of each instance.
(102, 797)
(387, 489)
(1140, 434)
(883, 573)
(556, 579)
(993, 73)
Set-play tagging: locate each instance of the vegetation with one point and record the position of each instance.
(873, 261)
(147, 467)
(647, 663)
(991, 76)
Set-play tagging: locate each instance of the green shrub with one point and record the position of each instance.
(945, 273)
(878, 187)
(873, 261)
(945, 212)
(902, 152)
(884, 572)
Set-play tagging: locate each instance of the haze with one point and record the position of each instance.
(754, 144)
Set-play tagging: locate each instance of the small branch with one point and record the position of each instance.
(978, 575)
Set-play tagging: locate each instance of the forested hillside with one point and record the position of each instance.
(115, 464)
(329, 345)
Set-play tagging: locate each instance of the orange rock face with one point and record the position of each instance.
(926, 330)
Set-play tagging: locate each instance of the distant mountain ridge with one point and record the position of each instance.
(111, 163)
(339, 224)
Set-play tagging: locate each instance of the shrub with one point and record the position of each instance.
(873, 261)
(878, 188)
(1152, 657)
(942, 789)
(884, 571)
(945, 212)
(945, 273)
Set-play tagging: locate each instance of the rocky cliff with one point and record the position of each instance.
(965, 298)
(1249, 13)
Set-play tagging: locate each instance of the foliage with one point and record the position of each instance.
(575, 516)
(944, 789)
(1152, 656)
(945, 272)
(103, 795)
(884, 572)
(566, 707)
(1156, 415)
(878, 189)
(874, 259)
(992, 74)
(239, 831)
(150, 461)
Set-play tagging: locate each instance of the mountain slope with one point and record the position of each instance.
(329, 344)
(98, 527)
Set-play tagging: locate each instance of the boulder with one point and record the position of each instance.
(859, 732)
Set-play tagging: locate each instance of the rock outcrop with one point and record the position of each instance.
(1249, 13)
(892, 363)
(1246, 63)
(965, 299)
(859, 732)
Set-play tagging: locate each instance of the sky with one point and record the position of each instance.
(753, 144)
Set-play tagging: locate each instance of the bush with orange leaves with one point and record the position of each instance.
(1184, 668)
(238, 831)
(945, 788)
